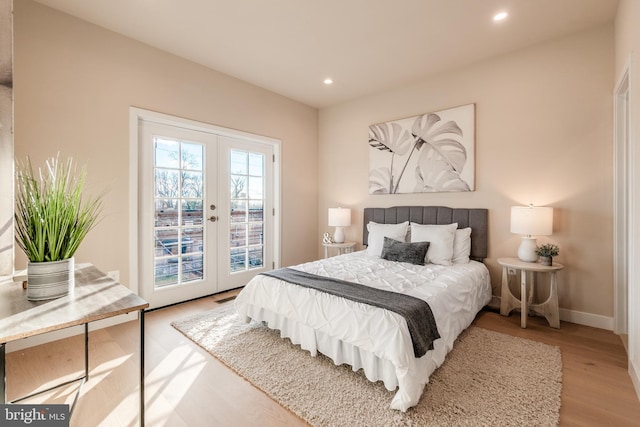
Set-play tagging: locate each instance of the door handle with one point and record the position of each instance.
(213, 218)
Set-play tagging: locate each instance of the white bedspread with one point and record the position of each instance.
(367, 337)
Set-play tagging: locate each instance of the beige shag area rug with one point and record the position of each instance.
(488, 379)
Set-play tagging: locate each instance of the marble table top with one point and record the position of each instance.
(95, 296)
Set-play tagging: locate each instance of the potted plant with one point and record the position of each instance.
(546, 253)
(52, 218)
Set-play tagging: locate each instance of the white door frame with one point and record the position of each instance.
(624, 271)
(138, 114)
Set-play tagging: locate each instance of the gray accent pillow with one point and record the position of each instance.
(394, 250)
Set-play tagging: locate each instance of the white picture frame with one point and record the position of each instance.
(432, 152)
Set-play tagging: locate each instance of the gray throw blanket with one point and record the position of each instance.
(420, 320)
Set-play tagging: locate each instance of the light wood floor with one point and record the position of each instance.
(185, 386)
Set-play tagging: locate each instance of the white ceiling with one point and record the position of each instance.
(290, 46)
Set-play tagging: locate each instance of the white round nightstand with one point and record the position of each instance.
(343, 248)
(549, 309)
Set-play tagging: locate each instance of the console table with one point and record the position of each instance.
(96, 296)
(549, 309)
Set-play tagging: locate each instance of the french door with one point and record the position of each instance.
(206, 212)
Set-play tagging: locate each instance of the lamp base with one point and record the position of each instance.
(527, 250)
(338, 235)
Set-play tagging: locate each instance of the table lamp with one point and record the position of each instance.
(531, 221)
(339, 218)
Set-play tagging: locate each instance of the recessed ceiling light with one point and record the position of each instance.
(328, 81)
(500, 16)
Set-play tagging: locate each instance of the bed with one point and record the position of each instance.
(379, 340)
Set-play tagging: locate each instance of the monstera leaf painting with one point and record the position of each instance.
(428, 153)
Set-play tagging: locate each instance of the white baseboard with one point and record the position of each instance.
(68, 332)
(587, 319)
(634, 373)
(578, 317)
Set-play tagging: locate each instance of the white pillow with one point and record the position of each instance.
(461, 246)
(440, 238)
(377, 233)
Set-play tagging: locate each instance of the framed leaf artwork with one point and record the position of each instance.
(433, 152)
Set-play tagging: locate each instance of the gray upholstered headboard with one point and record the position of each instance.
(477, 219)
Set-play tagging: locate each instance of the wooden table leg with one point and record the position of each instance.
(504, 292)
(549, 309)
(508, 301)
(553, 311)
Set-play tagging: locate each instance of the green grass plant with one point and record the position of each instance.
(52, 217)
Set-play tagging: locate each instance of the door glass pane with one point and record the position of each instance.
(192, 184)
(238, 187)
(238, 260)
(246, 199)
(192, 268)
(167, 183)
(179, 214)
(255, 188)
(192, 213)
(192, 156)
(255, 233)
(238, 236)
(238, 210)
(256, 211)
(255, 257)
(238, 164)
(166, 213)
(256, 164)
(166, 242)
(193, 240)
(166, 272)
(167, 153)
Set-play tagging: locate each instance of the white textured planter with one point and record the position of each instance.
(546, 260)
(49, 280)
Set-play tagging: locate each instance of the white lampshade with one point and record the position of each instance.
(339, 218)
(531, 221)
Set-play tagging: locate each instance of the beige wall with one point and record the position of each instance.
(74, 84)
(627, 43)
(543, 136)
(6, 138)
